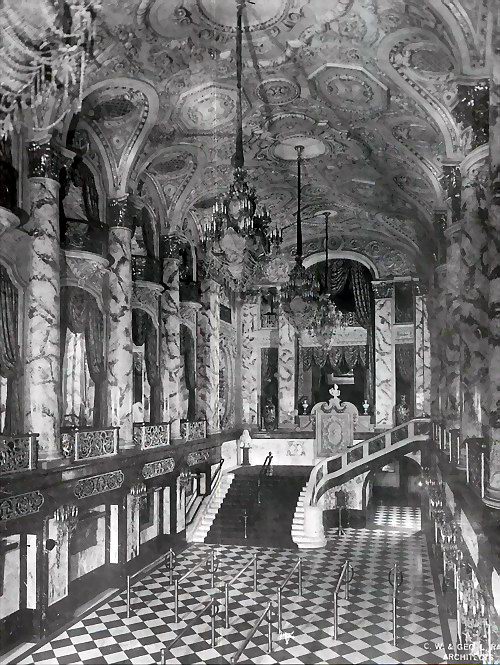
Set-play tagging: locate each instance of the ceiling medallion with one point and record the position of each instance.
(277, 91)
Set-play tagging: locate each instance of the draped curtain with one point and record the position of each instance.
(188, 356)
(10, 365)
(148, 232)
(349, 356)
(80, 314)
(404, 361)
(144, 332)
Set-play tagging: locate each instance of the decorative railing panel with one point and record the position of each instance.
(148, 436)
(193, 429)
(326, 473)
(88, 443)
(269, 320)
(79, 234)
(18, 453)
(145, 269)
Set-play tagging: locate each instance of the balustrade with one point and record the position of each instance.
(146, 269)
(82, 443)
(148, 436)
(193, 429)
(79, 234)
(18, 453)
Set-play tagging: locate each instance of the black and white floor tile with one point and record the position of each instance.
(365, 619)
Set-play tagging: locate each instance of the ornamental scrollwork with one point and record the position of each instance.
(158, 468)
(17, 453)
(107, 482)
(20, 505)
(198, 457)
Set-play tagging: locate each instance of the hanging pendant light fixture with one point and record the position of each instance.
(302, 289)
(327, 318)
(237, 208)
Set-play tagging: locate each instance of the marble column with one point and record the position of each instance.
(42, 380)
(435, 306)
(422, 352)
(208, 355)
(451, 332)
(170, 335)
(474, 305)
(385, 362)
(120, 347)
(286, 371)
(493, 486)
(250, 360)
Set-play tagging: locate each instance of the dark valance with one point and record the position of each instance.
(187, 353)
(336, 357)
(141, 322)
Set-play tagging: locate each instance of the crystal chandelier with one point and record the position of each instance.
(43, 54)
(236, 209)
(302, 289)
(327, 317)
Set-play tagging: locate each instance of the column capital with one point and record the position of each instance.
(383, 288)
(170, 247)
(46, 160)
(119, 213)
(420, 288)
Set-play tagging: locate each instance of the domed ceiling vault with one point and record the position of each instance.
(369, 88)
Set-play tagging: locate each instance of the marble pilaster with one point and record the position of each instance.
(451, 332)
(170, 338)
(493, 485)
(385, 364)
(120, 347)
(474, 305)
(250, 312)
(208, 355)
(42, 359)
(422, 352)
(286, 370)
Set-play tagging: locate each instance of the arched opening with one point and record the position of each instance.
(394, 483)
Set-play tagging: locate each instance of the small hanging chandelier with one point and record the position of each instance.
(302, 289)
(43, 55)
(236, 209)
(327, 317)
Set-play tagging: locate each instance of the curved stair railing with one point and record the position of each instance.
(332, 471)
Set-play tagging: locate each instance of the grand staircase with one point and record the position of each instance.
(269, 511)
(197, 531)
(307, 526)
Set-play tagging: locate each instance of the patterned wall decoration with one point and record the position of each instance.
(107, 482)
(158, 468)
(20, 505)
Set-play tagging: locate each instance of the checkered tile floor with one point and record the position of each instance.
(107, 636)
(397, 517)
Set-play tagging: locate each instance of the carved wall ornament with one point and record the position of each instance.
(15, 507)
(198, 457)
(158, 468)
(295, 449)
(84, 270)
(106, 482)
(383, 289)
(145, 296)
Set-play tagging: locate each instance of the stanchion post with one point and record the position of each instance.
(394, 618)
(346, 590)
(128, 596)
(335, 615)
(255, 572)
(226, 602)
(213, 614)
(270, 630)
(163, 657)
(300, 577)
(176, 600)
(279, 609)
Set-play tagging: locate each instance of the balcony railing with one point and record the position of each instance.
(83, 443)
(148, 436)
(193, 429)
(79, 234)
(189, 292)
(18, 453)
(269, 320)
(145, 269)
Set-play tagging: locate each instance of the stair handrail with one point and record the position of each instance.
(264, 471)
(266, 613)
(320, 469)
(213, 482)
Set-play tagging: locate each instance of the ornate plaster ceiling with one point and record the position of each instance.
(367, 87)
